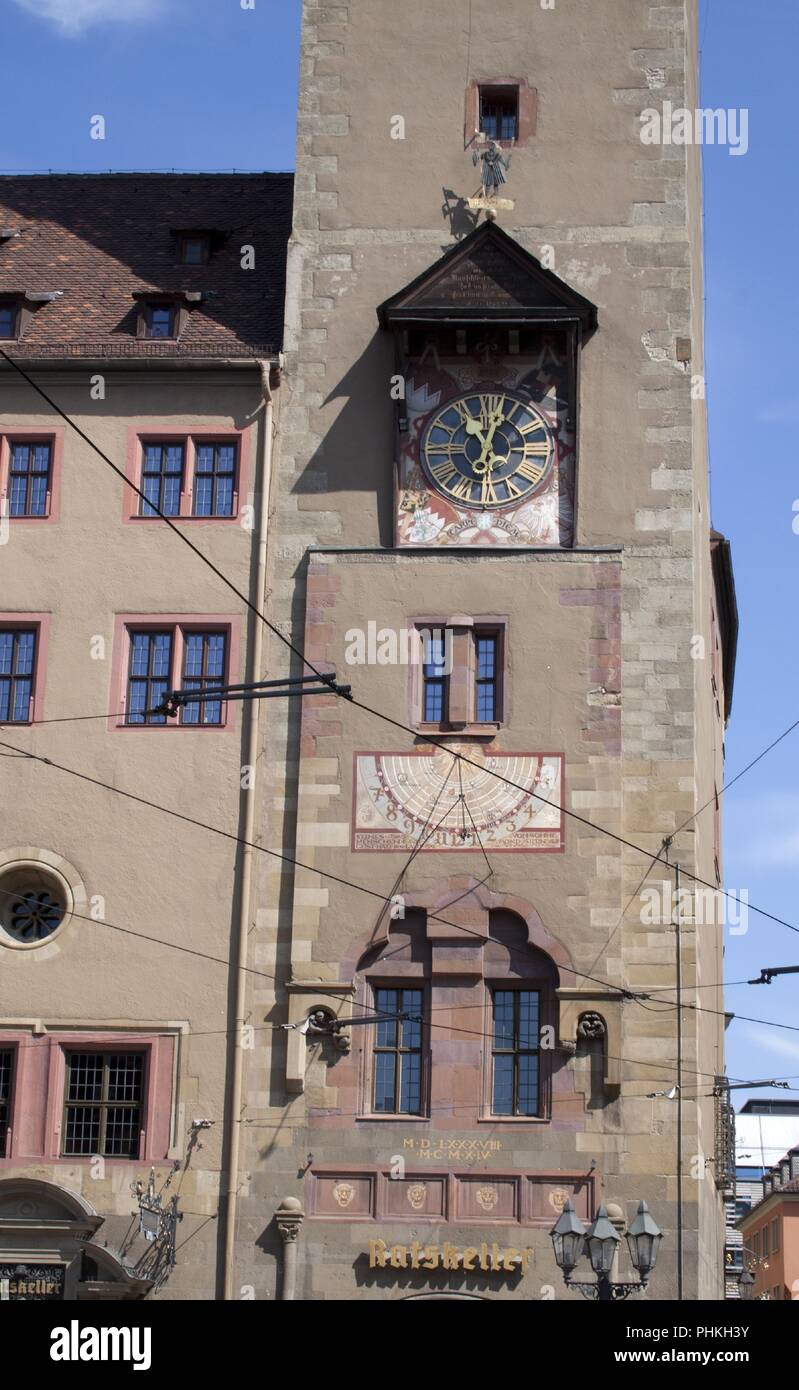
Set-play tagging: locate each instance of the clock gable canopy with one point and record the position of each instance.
(488, 278)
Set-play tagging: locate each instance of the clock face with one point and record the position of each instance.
(487, 451)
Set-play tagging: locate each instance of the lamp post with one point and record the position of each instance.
(600, 1242)
(746, 1279)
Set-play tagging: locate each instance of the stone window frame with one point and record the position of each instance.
(547, 1018)
(40, 622)
(395, 979)
(10, 436)
(528, 109)
(462, 691)
(37, 1107)
(152, 433)
(126, 623)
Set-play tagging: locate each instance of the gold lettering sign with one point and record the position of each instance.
(491, 1259)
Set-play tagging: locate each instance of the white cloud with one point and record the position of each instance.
(73, 16)
(774, 1042)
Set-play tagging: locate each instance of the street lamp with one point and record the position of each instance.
(600, 1242)
(643, 1242)
(568, 1238)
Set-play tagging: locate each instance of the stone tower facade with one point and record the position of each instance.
(494, 431)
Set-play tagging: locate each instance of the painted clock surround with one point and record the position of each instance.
(544, 515)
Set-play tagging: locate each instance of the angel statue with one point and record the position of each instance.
(494, 164)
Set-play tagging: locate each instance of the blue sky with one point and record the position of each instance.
(205, 84)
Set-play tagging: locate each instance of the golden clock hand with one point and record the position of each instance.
(475, 427)
(494, 422)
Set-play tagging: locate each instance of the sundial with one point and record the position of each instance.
(399, 797)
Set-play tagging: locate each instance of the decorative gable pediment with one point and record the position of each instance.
(488, 277)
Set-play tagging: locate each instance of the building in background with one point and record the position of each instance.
(765, 1130)
(770, 1233)
(149, 310)
(492, 518)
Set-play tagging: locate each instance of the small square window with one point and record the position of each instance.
(9, 314)
(194, 250)
(499, 112)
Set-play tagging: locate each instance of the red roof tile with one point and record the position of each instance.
(100, 237)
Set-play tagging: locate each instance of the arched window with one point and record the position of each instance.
(396, 1072)
(520, 984)
(464, 1021)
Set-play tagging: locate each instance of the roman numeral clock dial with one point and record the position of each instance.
(487, 451)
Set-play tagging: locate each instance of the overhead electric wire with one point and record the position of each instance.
(737, 778)
(327, 677)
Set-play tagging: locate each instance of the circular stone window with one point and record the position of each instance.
(34, 903)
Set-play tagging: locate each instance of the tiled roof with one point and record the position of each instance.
(101, 237)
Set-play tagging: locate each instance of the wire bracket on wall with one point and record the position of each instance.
(323, 684)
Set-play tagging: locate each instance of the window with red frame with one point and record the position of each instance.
(499, 112)
(152, 670)
(17, 674)
(103, 1104)
(162, 479)
(29, 477)
(171, 469)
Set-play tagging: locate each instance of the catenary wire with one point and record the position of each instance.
(325, 677)
(622, 992)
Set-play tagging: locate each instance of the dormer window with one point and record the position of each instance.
(195, 250)
(159, 321)
(9, 318)
(196, 245)
(163, 314)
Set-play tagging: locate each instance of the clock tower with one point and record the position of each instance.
(491, 519)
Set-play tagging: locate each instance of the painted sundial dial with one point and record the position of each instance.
(400, 797)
